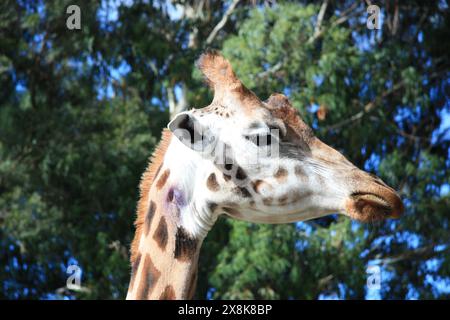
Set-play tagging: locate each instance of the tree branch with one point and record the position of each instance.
(176, 107)
(367, 108)
(320, 16)
(347, 14)
(222, 22)
(272, 69)
(422, 253)
(375, 102)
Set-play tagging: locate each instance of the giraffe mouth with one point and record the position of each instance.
(369, 207)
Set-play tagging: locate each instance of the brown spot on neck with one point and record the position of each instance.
(192, 285)
(134, 269)
(185, 245)
(170, 195)
(161, 234)
(149, 217)
(168, 294)
(163, 179)
(150, 276)
(158, 170)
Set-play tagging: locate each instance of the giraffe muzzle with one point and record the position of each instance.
(369, 198)
(377, 205)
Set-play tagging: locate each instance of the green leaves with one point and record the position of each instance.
(80, 113)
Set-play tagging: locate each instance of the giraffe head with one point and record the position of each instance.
(258, 161)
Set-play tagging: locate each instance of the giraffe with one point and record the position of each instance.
(205, 166)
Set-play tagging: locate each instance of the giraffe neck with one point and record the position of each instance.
(166, 264)
(170, 231)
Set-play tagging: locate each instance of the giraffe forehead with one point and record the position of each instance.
(230, 115)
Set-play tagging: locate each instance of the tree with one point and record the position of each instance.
(81, 111)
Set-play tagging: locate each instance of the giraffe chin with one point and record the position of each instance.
(369, 207)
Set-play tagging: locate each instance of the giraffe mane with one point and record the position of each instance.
(147, 179)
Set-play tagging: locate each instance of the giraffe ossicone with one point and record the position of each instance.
(249, 159)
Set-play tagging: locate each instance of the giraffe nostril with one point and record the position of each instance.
(367, 206)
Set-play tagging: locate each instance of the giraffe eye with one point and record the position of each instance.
(260, 139)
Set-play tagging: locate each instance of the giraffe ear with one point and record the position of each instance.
(187, 129)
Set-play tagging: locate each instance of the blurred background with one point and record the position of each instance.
(82, 110)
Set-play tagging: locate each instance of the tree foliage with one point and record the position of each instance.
(81, 111)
